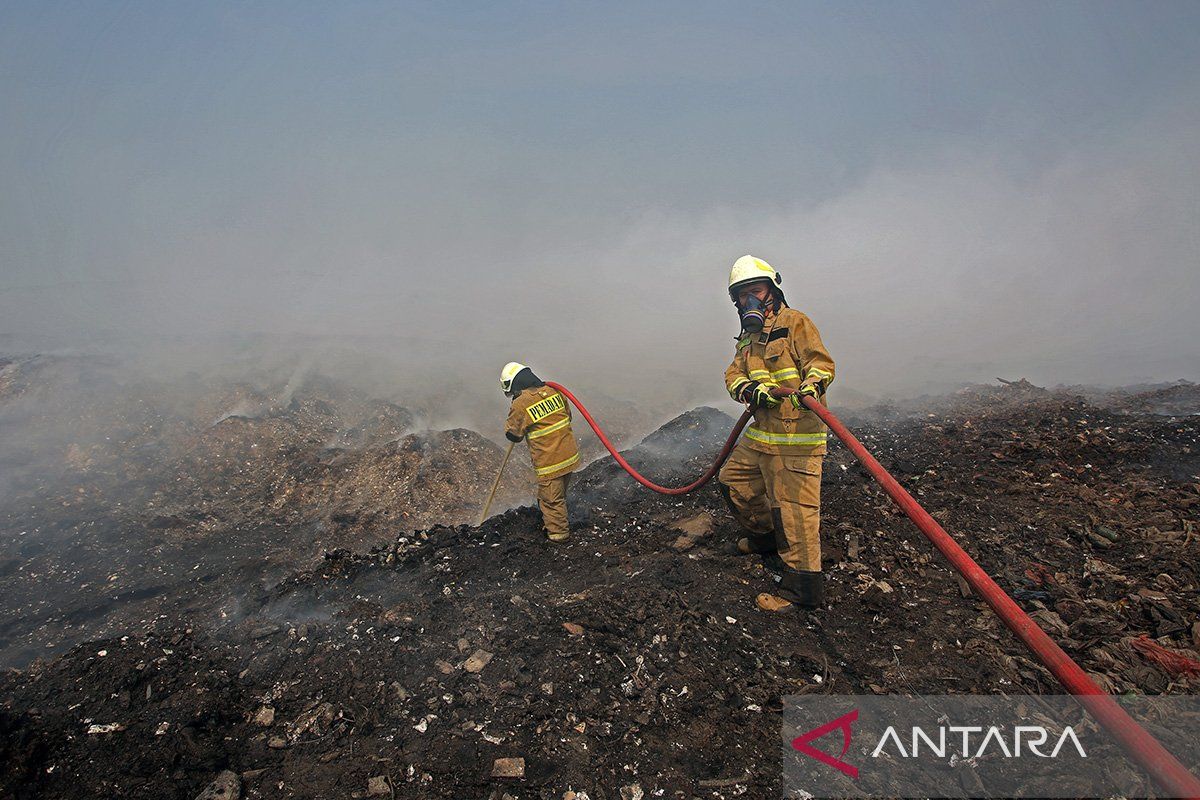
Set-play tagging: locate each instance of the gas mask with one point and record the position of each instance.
(753, 313)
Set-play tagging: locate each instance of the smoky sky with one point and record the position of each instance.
(951, 191)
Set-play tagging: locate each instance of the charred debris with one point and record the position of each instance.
(332, 650)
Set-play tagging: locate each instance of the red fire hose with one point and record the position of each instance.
(1134, 740)
(637, 476)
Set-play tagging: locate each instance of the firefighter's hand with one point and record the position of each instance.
(807, 390)
(512, 437)
(757, 395)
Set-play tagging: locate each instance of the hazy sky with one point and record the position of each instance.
(951, 190)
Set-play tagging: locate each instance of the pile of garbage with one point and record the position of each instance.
(122, 498)
(632, 662)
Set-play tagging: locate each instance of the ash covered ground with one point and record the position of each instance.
(340, 648)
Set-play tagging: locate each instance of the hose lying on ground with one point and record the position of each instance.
(637, 476)
(1134, 740)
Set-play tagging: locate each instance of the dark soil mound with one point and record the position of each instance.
(121, 500)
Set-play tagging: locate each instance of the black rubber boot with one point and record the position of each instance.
(756, 543)
(797, 589)
(753, 543)
(807, 589)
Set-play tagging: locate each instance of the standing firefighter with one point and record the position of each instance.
(772, 481)
(542, 417)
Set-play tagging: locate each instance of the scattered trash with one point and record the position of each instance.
(226, 786)
(1176, 664)
(478, 660)
(508, 768)
(609, 654)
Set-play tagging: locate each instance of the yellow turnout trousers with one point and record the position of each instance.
(779, 494)
(552, 499)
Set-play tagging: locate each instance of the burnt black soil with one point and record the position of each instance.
(634, 656)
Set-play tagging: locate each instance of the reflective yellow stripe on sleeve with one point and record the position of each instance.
(759, 375)
(785, 374)
(819, 374)
(795, 439)
(556, 467)
(558, 426)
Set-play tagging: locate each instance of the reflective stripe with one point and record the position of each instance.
(735, 388)
(798, 439)
(558, 426)
(785, 374)
(820, 374)
(759, 375)
(558, 466)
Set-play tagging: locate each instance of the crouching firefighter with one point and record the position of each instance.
(772, 481)
(542, 417)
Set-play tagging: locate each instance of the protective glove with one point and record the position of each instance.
(810, 389)
(758, 395)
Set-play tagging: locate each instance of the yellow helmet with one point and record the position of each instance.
(508, 373)
(748, 269)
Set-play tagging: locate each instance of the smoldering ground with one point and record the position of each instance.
(418, 664)
(124, 491)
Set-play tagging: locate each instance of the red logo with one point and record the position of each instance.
(801, 743)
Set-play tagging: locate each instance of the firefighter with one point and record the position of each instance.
(542, 417)
(772, 480)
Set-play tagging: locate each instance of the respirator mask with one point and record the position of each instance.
(753, 313)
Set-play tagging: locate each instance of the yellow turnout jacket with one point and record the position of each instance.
(543, 417)
(788, 352)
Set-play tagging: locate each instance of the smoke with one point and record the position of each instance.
(243, 221)
(1079, 271)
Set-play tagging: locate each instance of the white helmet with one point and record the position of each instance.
(748, 269)
(510, 371)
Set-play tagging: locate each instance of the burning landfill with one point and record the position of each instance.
(223, 591)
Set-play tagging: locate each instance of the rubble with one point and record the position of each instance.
(122, 496)
(614, 650)
(265, 716)
(226, 786)
(478, 660)
(508, 768)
